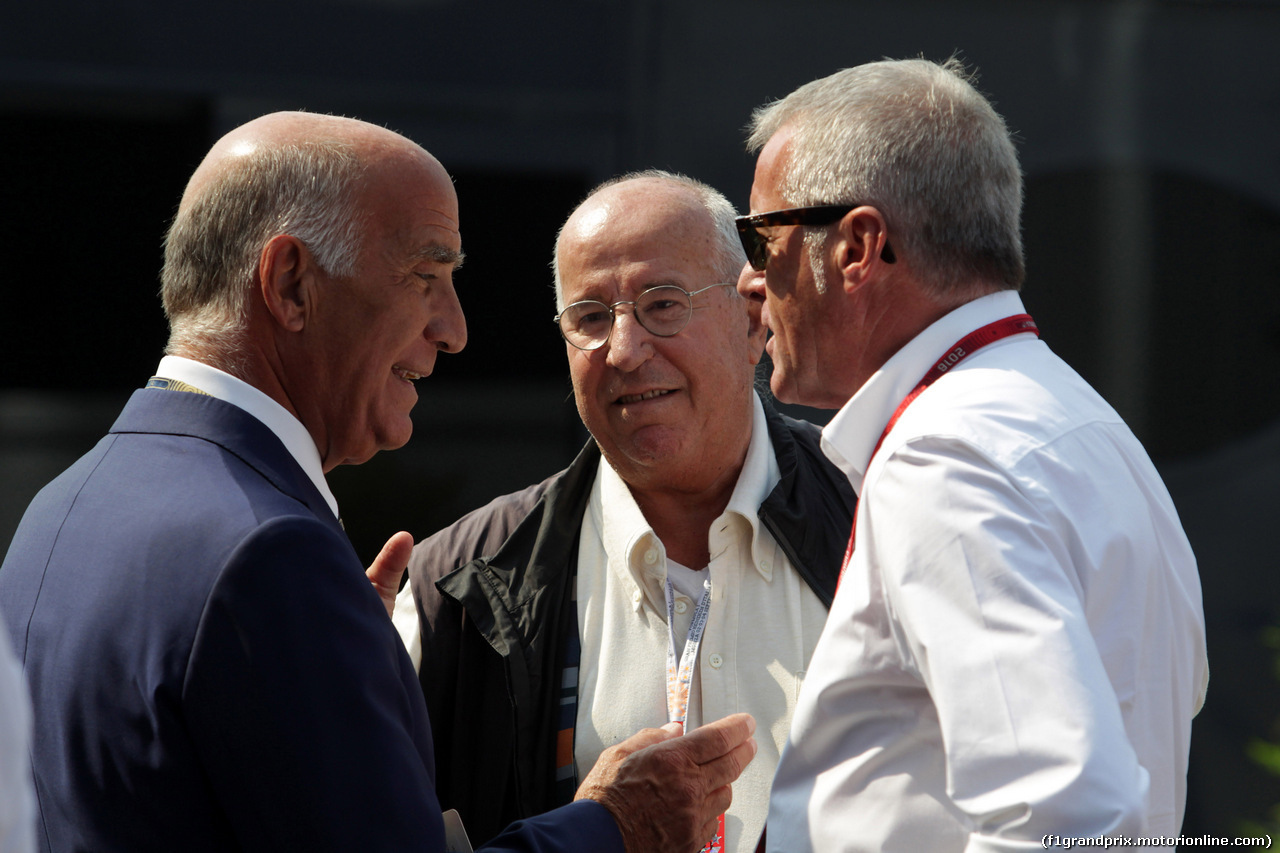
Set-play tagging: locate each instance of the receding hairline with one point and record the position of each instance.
(368, 142)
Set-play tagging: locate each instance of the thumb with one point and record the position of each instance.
(389, 567)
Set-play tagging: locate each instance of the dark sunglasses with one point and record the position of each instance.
(756, 244)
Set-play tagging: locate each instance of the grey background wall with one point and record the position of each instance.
(1148, 132)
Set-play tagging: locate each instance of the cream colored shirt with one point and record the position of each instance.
(761, 630)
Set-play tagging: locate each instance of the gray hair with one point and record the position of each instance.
(211, 252)
(727, 255)
(916, 140)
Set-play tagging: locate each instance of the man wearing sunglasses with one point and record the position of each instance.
(1017, 646)
(545, 622)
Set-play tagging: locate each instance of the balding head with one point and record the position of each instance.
(607, 208)
(285, 130)
(284, 173)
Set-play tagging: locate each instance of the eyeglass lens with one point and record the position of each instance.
(663, 311)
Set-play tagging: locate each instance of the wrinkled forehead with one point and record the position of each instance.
(409, 207)
(615, 249)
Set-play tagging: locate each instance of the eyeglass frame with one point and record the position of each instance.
(756, 244)
(613, 313)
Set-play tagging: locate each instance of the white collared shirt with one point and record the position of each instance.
(242, 395)
(1017, 646)
(761, 629)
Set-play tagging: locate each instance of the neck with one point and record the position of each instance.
(251, 364)
(229, 358)
(683, 525)
(887, 322)
(682, 516)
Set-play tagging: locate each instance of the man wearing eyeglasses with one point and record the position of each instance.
(678, 570)
(1017, 646)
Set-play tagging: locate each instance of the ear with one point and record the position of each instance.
(286, 275)
(860, 250)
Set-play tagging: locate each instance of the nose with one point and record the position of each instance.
(629, 344)
(751, 283)
(447, 328)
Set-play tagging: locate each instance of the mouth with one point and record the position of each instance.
(627, 399)
(406, 374)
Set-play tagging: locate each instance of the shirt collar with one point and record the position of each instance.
(759, 476)
(851, 435)
(292, 434)
(634, 550)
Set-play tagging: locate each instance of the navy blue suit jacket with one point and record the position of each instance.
(210, 670)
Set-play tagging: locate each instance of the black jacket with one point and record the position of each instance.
(492, 630)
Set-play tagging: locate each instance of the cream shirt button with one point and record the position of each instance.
(766, 565)
(651, 556)
(681, 605)
(716, 661)
(635, 597)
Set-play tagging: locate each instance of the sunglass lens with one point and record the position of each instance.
(757, 253)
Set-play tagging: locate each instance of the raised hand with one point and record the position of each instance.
(666, 790)
(389, 566)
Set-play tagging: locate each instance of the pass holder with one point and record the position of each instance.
(455, 837)
(680, 677)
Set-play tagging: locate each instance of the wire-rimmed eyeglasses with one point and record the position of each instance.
(663, 311)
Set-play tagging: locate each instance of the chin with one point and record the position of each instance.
(787, 391)
(395, 439)
(783, 390)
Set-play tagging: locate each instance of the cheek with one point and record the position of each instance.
(580, 375)
(578, 370)
(786, 270)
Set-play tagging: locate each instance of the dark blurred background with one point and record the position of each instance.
(1148, 132)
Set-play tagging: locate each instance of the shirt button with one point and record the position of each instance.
(681, 605)
(766, 565)
(651, 556)
(635, 597)
(716, 661)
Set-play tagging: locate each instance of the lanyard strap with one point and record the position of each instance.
(680, 676)
(963, 348)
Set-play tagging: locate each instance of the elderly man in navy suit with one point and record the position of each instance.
(210, 669)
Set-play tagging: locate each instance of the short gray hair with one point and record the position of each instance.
(728, 256)
(211, 253)
(917, 141)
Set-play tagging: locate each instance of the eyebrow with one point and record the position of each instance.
(588, 297)
(441, 255)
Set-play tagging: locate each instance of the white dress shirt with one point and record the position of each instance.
(275, 417)
(761, 629)
(1017, 646)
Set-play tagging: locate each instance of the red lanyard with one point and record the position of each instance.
(965, 347)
